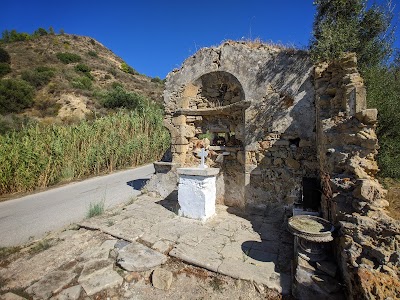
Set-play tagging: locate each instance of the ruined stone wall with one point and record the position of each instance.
(257, 99)
(367, 248)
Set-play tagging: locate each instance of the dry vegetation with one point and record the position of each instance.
(70, 108)
(393, 196)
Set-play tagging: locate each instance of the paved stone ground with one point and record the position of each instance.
(114, 255)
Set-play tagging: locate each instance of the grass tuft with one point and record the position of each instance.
(95, 209)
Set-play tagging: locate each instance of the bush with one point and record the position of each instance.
(4, 69)
(92, 53)
(15, 95)
(128, 69)
(112, 72)
(118, 97)
(40, 32)
(383, 92)
(38, 77)
(14, 36)
(157, 80)
(83, 83)
(67, 57)
(13, 122)
(82, 68)
(47, 107)
(4, 56)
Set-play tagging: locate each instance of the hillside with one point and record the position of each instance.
(70, 75)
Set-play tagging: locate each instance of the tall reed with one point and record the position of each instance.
(40, 156)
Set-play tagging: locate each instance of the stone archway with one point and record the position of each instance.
(210, 113)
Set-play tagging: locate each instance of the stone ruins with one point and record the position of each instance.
(285, 133)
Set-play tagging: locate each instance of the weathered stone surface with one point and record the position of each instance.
(100, 280)
(368, 116)
(201, 256)
(292, 163)
(137, 257)
(162, 246)
(11, 296)
(161, 279)
(101, 252)
(262, 275)
(94, 265)
(368, 190)
(348, 147)
(50, 284)
(133, 276)
(72, 293)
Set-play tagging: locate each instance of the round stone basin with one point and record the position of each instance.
(311, 228)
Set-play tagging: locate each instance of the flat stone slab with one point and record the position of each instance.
(137, 257)
(198, 171)
(264, 274)
(52, 283)
(201, 256)
(72, 293)
(11, 296)
(101, 252)
(162, 279)
(100, 280)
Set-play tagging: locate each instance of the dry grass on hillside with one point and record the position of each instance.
(393, 196)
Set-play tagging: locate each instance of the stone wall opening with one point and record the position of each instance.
(255, 116)
(212, 106)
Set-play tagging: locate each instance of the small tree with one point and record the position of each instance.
(128, 69)
(4, 56)
(40, 32)
(347, 26)
(15, 95)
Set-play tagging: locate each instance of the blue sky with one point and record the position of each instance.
(155, 36)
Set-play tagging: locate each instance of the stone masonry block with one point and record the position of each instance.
(179, 148)
(367, 116)
(187, 131)
(179, 120)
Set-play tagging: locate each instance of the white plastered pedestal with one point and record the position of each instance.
(197, 192)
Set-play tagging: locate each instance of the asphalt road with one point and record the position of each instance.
(30, 217)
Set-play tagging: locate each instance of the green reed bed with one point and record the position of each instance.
(40, 156)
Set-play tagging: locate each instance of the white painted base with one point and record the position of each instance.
(196, 196)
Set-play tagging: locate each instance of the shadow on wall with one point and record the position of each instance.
(283, 71)
(285, 147)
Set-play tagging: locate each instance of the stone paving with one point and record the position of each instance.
(126, 247)
(252, 246)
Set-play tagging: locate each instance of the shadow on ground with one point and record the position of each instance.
(171, 202)
(137, 184)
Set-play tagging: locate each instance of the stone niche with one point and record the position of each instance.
(253, 109)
